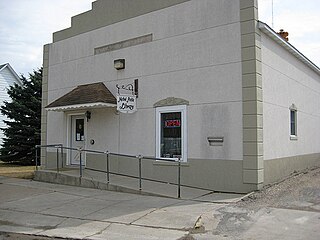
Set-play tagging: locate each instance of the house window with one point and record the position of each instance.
(171, 136)
(293, 122)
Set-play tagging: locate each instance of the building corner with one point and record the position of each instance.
(44, 103)
(252, 107)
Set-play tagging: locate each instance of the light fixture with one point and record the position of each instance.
(119, 64)
(88, 115)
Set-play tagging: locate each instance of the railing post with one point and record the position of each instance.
(108, 174)
(36, 158)
(61, 156)
(80, 155)
(140, 178)
(57, 158)
(179, 177)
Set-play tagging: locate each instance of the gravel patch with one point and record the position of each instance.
(300, 191)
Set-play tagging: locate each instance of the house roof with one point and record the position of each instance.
(7, 65)
(95, 95)
(271, 33)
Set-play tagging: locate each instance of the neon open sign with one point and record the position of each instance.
(172, 123)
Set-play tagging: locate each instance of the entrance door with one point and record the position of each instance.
(77, 139)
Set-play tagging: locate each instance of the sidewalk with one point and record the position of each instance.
(43, 209)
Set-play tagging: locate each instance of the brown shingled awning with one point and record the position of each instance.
(95, 95)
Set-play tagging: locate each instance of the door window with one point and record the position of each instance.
(77, 137)
(79, 130)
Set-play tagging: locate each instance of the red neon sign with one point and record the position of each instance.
(172, 123)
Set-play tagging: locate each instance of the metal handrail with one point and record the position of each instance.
(52, 146)
(108, 172)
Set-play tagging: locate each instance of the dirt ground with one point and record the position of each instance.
(300, 191)
(15, 171)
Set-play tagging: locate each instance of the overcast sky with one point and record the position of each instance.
(26, 25)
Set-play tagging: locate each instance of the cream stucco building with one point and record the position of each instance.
(217, 88)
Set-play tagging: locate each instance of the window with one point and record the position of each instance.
(79, 130)
(293, 122)
(171, 136)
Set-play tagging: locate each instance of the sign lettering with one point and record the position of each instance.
(126, 103)
(172, 123)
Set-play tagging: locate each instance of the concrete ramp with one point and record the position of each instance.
(131, 185)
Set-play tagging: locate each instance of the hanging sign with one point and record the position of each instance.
(126, 103)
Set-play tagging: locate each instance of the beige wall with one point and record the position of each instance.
(201, 173)
(238, 83)
(288, 81)
(105, 13)
(195, 54)
(182, 61)
(277, 169)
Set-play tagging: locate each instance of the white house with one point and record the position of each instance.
(8, 77)
(215, 87)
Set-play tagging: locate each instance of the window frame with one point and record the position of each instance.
(168, 109)
(294, 111)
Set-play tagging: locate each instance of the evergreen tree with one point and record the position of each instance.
(24, 120)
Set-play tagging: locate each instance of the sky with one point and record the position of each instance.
(26, 25)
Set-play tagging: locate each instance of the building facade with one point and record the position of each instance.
(215, 88)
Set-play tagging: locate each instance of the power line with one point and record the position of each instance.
(272, 16)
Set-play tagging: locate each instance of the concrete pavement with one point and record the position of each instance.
(44, 209)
